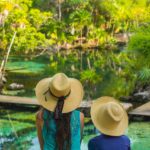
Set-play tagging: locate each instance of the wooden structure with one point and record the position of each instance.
(18, 100)
(30, 101)
(84, 107)
(143, 110)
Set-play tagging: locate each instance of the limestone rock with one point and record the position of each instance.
(15, 86)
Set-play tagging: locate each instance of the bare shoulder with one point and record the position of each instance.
(81, 116)
(81, 121)
(39, 115)
(39, 118)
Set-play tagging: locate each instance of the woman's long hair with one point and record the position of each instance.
(63, 131)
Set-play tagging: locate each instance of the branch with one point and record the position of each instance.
(3, 64)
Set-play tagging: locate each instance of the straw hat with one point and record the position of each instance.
(47, 90)
(109, 116)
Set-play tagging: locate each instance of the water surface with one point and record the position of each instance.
(17, 126)
(18, 131)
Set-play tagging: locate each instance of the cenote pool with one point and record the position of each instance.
(18, 131)
(17, 126)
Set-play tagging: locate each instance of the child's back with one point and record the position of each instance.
(105, 142)
(110, 118)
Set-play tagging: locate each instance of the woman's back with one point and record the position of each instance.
(60, 126)
(49, 130)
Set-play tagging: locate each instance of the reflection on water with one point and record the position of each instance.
(18, 132)
(22, 70)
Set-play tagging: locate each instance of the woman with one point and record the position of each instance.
(59, 124)
(111, 120)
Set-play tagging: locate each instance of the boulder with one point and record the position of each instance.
(141, 94)
(15, 86)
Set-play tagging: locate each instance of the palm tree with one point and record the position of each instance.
(79, 19)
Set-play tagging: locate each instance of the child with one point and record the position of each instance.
(59, 124)
(111, 120)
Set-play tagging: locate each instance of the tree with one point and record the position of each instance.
(79, 19)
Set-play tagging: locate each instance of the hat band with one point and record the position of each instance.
(60, 97)
(60, 103)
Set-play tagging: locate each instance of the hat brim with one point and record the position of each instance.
(71, 102)
(97, 117)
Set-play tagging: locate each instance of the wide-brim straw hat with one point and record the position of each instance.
(59, 85)
(108, 116)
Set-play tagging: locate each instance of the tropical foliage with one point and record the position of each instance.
(139, 45)
(82, 38)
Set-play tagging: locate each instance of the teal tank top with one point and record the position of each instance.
(49, 135)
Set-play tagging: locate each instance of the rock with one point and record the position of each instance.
(15, 86)
(142, 95)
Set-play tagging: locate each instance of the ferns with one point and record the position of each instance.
(139, 45)
(144, 75)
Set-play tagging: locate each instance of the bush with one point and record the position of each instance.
(139, 46)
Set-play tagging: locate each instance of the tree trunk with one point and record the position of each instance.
(81, 38)
(2, 69)
(4, 61)
(81, 61)
(59, 10)
(89, 64)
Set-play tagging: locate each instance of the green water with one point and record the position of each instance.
(26, 71)
(17, 127)
(18, 131)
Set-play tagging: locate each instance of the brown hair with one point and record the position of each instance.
(63, 130)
